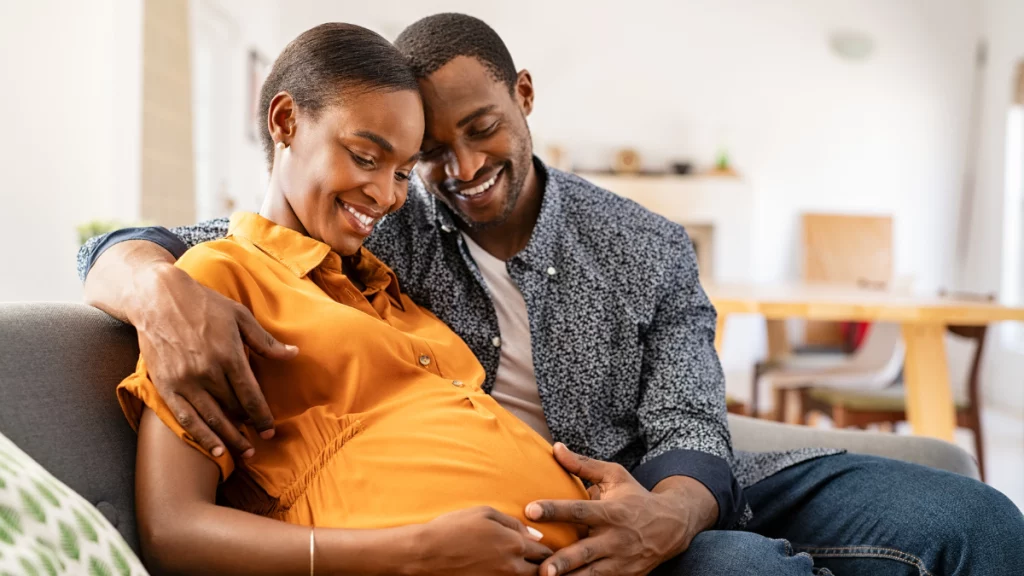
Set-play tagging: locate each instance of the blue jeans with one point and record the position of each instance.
(853, 515)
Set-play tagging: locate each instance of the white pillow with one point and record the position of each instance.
(46, 529)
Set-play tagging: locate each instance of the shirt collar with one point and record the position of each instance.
(538, 251)
(301, 254)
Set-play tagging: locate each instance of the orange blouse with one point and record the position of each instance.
(381, 420)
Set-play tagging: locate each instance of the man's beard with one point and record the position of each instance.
(515, 178)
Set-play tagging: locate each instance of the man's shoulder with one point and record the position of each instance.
(602, 215)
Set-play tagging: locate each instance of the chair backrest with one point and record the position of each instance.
(875, 365)
(975, 334)
(883, 352)
(844, 249)
(59, 367)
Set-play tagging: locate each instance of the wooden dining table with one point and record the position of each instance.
(923, 319)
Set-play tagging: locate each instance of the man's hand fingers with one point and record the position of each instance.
(536, 552)
(591, 470)
(572, 511)
(213, 418)
(573, 557)
(194, 425)
(250, 395)
(605, 567)
(259, 340)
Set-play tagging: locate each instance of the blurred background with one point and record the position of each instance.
(781, 132)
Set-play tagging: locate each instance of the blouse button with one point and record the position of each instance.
(552, 271)
(457, 383)
(496, 341)
(425, 360)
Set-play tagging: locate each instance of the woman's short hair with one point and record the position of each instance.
(328, 62)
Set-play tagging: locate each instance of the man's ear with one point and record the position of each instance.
(281, 118)
(524, 91)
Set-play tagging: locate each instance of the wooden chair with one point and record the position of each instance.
(844, 249)
(874, 366)
(858, 408)
(836, 249)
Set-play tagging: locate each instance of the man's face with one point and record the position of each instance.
(477, 150)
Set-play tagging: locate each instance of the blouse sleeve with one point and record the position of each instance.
(218, 271)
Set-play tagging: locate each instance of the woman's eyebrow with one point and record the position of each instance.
(376, 139)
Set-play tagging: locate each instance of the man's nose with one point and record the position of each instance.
(464, 163)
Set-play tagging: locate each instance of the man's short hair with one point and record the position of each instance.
(436, 40)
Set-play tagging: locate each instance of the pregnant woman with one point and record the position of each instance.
(388, 456)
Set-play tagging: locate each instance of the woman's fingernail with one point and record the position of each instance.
(267, 434)
(249, 453)
(552, 571)
(537, 534)
(217, 451)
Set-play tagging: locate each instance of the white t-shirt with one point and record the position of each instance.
(515, 386)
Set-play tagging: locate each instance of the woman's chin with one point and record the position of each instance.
(347, 244)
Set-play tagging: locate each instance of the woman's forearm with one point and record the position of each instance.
(209, 539)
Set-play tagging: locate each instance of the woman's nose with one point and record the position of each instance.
(382, 191)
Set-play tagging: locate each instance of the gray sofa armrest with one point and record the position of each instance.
(754, 435)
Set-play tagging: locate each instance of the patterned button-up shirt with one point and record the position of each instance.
(622, 332)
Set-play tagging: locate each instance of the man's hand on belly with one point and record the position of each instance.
(632, 530)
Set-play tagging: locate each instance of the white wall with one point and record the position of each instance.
(251, 24)
(1003, 29)
(65, 68)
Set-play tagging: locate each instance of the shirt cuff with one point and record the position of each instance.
(156, 234)
(710, 470)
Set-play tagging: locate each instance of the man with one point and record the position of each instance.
(587, 314)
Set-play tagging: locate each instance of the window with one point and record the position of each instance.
(1013, 214)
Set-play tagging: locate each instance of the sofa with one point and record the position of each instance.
(60, 363)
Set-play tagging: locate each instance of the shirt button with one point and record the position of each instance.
(425, 360)
(457, 383)
(496, 341)
(552, 271)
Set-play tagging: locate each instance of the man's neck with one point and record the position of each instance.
(505, 240)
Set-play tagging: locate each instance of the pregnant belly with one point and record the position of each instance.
(411, 462)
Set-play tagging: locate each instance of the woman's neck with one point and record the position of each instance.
(277, 209)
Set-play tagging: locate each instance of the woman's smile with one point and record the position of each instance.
(361, 219)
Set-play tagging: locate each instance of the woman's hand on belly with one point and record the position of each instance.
(478, 541)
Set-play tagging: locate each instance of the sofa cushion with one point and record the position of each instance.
(46, 528)
(59, 368)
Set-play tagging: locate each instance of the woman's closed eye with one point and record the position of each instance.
(367, 163)
(401, 176)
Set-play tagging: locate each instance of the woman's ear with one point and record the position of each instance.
(281, 119)
(524, 91)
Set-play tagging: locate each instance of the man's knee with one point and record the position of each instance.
(737, 554)
(961, 516)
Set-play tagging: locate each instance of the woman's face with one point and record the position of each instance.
(349, 165)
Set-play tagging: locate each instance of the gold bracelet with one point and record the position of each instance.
(312, 550)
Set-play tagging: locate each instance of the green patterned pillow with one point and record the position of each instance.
(47, 529)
